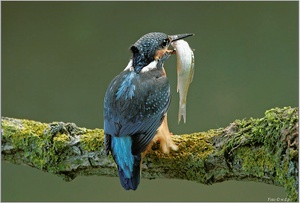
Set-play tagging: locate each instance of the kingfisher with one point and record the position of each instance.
(136, 104)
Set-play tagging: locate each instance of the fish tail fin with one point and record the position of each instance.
(182, 112)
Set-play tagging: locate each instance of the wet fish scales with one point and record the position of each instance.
(185, 73)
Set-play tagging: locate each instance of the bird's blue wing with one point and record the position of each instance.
(136, 107)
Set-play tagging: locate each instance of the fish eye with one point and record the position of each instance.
(165, 42)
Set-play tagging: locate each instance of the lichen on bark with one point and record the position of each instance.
(258, 149)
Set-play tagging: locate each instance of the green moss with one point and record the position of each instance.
(44, 145)
(256, 162)
(257, 147)
(266, 131)
(92, 140)
(35, 142)
(27, 133)
(60, 141)
(286, 176)
(268, 135)
(186, 163)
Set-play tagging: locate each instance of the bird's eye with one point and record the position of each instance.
(165, 42)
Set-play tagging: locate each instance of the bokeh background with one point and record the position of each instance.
(59, 57)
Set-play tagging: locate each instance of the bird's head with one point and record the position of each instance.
(153, 46)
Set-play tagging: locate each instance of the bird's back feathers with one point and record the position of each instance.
(134, 108)
(139, 112)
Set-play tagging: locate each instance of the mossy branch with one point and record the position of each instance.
(263, 150)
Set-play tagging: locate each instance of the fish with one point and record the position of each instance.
(185, 73)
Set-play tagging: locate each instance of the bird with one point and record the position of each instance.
(136, 104)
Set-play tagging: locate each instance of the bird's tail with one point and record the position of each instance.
(132, 182)
(128, 164)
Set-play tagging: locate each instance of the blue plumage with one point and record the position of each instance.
(135, 105)
(128, 164)
(123, 157)
(127, 88)
(129, 123)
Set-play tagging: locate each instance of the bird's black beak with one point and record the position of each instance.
(180, 36)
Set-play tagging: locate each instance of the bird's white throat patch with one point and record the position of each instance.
(147, 68)
(129, 66)
(150, 66)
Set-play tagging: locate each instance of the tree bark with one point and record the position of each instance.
(262, 150)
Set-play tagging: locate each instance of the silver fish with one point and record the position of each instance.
(185, 73)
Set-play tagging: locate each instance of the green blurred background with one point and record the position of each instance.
(59, 57)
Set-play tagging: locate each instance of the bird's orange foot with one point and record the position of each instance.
(165, 141)
(164, 136)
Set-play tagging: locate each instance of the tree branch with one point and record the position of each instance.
(262, 150)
